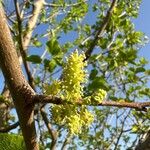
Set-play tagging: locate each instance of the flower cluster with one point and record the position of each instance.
(73, 76)
(99, 95)
(53, 89)
(74, 124)
(73, 117)
(71, 89)
(79, 120)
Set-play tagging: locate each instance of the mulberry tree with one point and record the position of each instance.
(72, 72)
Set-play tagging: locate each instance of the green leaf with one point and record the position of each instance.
(53, 46)
(98, 83)
(103, 43)
(93, 74)
(52, 65)
(58, 60)
(11, 142)
(143, 61)
(147, 72)
(37, 43)
(46, 63)
(145, 91)
(134, 128)
(139, 69)
(34, 59)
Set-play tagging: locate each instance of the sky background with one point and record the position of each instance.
(142, 23)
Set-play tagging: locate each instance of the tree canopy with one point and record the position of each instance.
(74, 75)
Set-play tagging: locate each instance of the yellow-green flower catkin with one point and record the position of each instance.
(99, 95)
(54, 88)
(73, 76)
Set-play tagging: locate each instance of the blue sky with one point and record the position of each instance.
(142, 23)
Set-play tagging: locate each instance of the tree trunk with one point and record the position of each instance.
(4, 108)
(20, 90)
(145, 143)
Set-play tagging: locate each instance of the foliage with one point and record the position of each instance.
(71, 89)
(114, 71)
(11, 142)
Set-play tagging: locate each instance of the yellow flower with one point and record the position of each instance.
(53, 89)
(73, 76)
(71, 89)
(99, 95)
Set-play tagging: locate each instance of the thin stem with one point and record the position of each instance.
(8, 128)
(52, 132)
(141, 106)
(101, 30)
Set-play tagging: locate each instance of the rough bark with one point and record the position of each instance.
(20, 90)
(144, 144)
(4, 108)
(38, 5)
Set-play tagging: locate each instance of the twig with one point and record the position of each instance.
(57, 100)
(25, 40)
(38, 5)
(67, 141)
(101, 30)
(121, 132)
(52, 132)
(67, 5)
(11, 127)
(21, 45)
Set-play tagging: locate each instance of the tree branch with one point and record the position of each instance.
(21, 45)
(144, 144)
(11, 127)
(20, 89)
(57, 100)
(67, 141)
(50, 130)
(66, 5)
(25, 40)
(121, 132)
(101, 30)
(38, 5)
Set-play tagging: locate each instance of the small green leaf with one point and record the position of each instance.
(103, 43)
(37, 43)
(34, 59)
(134, 128)
(93, 74)
(58, 60)
(52, 65)
(143, 61)
(98, 83)
(147, 72)
(139, 69)
(46, 63)
(53, 46)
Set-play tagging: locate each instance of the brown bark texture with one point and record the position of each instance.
(20, 90)
(144, 144)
